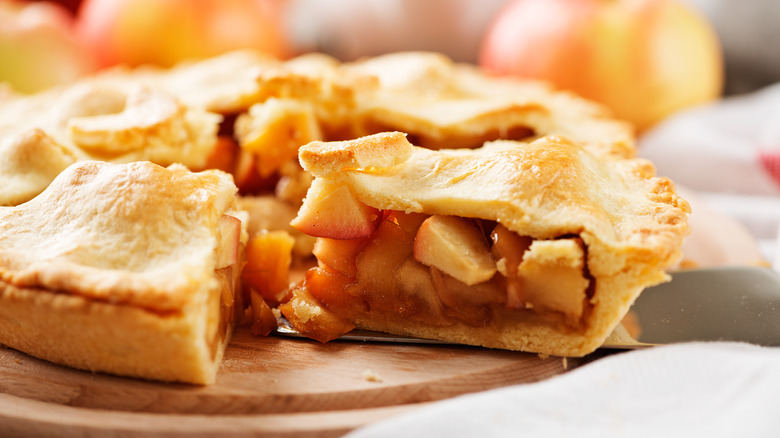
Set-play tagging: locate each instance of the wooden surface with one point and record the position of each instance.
(293, 387)
(275, 386)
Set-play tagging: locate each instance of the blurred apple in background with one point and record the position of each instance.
(135, 32)
(645, 59)
(38, 48)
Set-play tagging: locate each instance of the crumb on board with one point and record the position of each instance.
(543, 356)
(565, 363)
(371, 376)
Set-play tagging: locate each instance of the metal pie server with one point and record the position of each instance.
(740, 303)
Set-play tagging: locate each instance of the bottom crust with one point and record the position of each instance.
(185, 346)
(513, 330)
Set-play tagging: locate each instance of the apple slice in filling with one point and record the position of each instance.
(441, 270)
(552, 272)
(331, 210)
(229, 238)
(457, 247)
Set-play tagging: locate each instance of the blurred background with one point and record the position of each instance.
(747, 30)
(699, 79)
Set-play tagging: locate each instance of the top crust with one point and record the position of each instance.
(443, 103)
(137, 234)
(173, 115)
(41, 135)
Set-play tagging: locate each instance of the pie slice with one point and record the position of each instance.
(129, 269)
(538, 246)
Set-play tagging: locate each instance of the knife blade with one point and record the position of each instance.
(739, 303)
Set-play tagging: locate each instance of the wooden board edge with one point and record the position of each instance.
(21, 417)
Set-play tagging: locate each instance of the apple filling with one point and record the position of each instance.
(274, 130)
(229, 257)
(440, 271)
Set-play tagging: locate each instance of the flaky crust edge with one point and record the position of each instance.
(185, 346)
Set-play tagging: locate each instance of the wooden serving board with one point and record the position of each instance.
(273, 386)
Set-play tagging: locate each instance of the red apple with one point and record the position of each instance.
(331, 210)
(645, 59)
(38, 46)
(135, 32)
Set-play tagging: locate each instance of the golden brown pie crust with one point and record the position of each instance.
(113, 269)
(176, 115)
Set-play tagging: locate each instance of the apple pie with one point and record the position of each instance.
(537, 246)
(130, 269)
(401, 230)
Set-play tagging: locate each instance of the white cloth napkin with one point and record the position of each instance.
(725, 147)
(683, 390)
